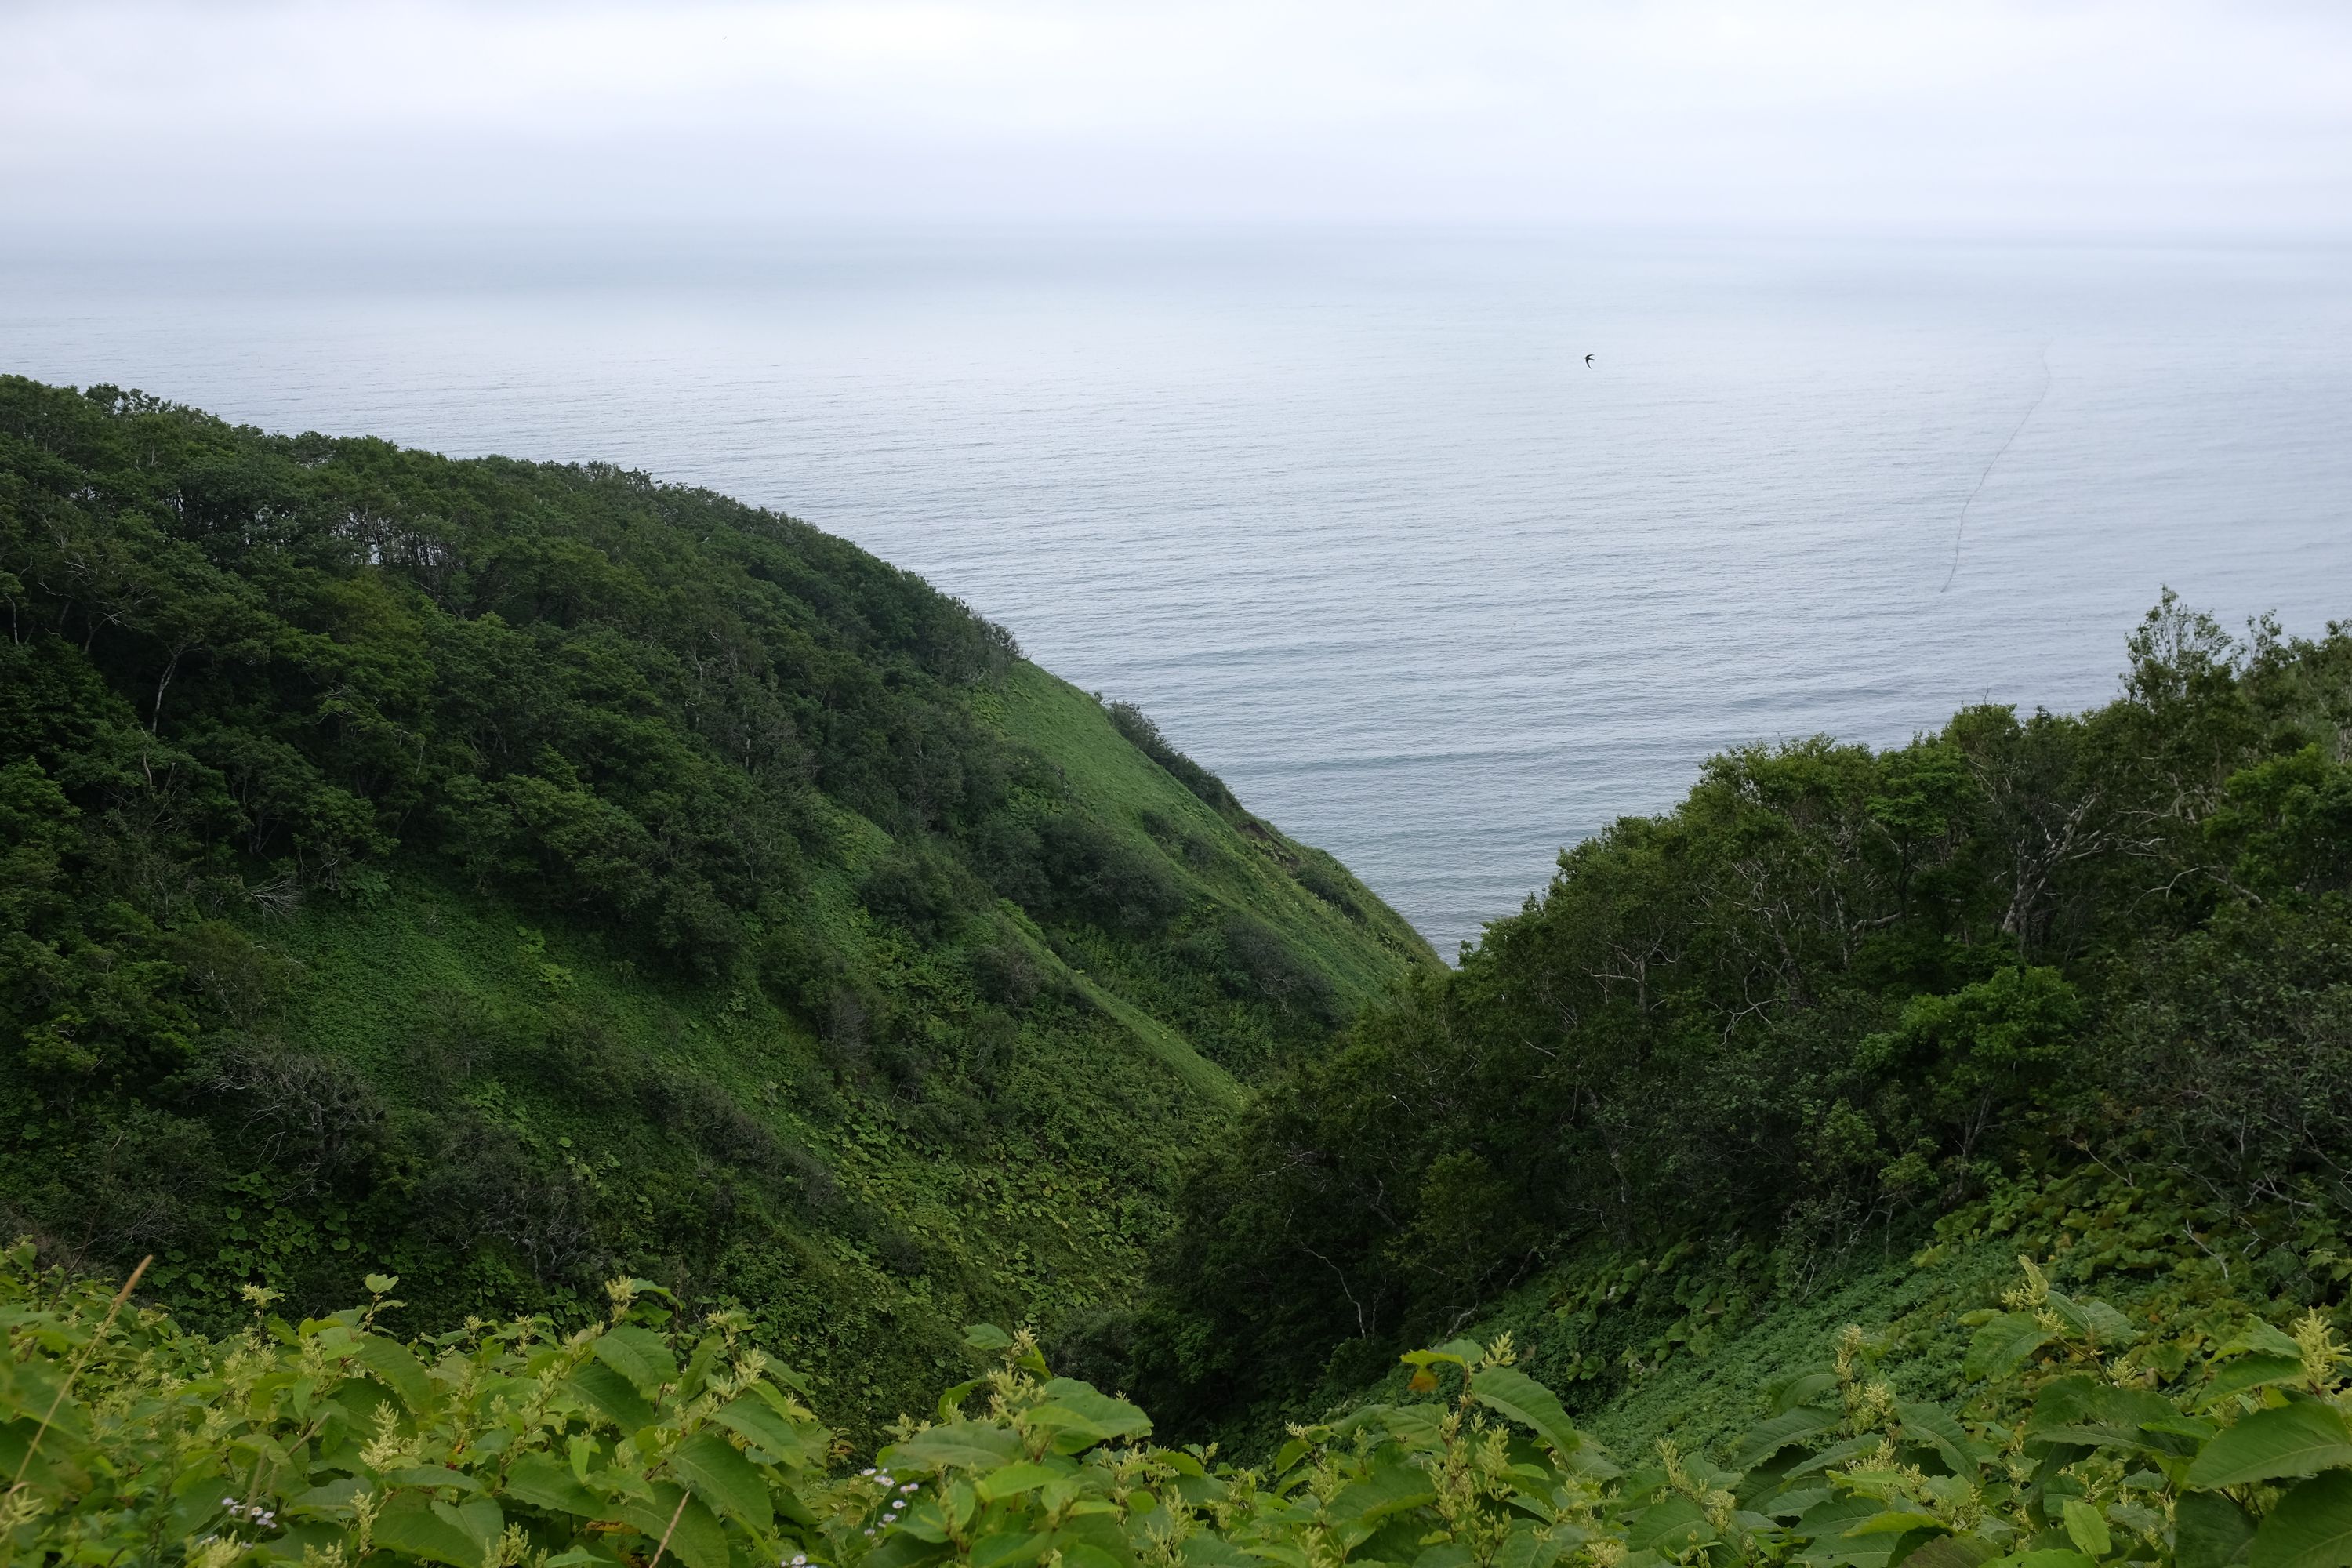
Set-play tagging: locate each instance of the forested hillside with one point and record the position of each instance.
(508, 875)
(2086, 975)
(703, 970)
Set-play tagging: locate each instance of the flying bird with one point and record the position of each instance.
(1588, 362)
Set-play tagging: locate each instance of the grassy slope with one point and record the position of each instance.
(440, 990)
(1699, 1374)
(1360, 949)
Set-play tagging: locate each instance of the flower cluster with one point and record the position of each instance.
(884, 1479)
(260, 1518)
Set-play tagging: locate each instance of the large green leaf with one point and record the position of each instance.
(1951, 1552)
(722, 1477)
(1529, 1547)
(400, 1370)
(2095, 1320)
(2004, 1344)
(2256, 1371)
(1826, 1524)
(1415, 1426)
(637, 1354)
(1670, 1527)
(1804, 1388)
(2081, 1409)
(2208, 1531)
(1934, 1425)
(951, 1400)
(1835, 1454)
(1110, 1418)
(961, 1445)
(610, 1395)
(2261, 1336)
(35, 1390)
(1015, 1479)
(539, 1481)
(1591, 1461)
(2292, 1440)
(2311, 1527)
(1515, 1395)
(2087, 1527)
(409, 1525)
(1072, 1431)
(1201, 1549)
(696, 1539)
(1391, 1489)
(1789, 1426)
(331, 1500)
(479, 1517)
(756, 1419)
(1015, 1549)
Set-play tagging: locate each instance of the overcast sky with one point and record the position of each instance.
(2164, 115)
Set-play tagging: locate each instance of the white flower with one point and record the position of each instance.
(866, 1471)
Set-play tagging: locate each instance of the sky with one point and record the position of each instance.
(2177, 117)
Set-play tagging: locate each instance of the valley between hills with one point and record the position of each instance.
(588, 1005)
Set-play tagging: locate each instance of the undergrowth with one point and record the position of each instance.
(2073, 1434)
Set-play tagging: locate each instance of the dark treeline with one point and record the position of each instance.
(303, 653)
(1834, 990)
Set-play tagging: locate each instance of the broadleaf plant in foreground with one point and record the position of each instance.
(654, 1437)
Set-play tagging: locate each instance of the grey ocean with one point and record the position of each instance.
(1349, 513)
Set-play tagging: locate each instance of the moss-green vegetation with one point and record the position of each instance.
(1738, 1062)
(2070, 1434)
(510, 877)
(507, 875)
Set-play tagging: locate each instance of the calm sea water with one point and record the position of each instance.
(1348, 512)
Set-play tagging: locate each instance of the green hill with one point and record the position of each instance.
(690, 954)
(509, 875)
(2027, 984)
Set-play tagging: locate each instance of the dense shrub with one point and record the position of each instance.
(919, 886)
(1144, 736)
(1007, 973)
(1067, 866)
(1256, 962)
(2085, 1439)
(1320, 874)
(1836, 990)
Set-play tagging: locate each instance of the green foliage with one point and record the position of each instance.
(509, 875)
(654, 1434)
(1833, 994)
(1145, 737)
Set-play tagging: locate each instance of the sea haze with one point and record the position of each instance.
(1348, 512)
